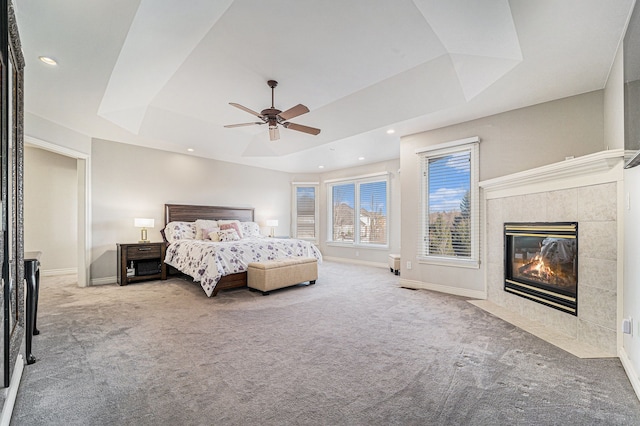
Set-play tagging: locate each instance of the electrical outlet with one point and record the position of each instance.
(626, 326)
(408, 264)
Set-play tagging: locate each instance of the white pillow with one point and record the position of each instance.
(214, 236)
(206, 233)
(175, 231)
(204, 224)
(228, 235)
(250, 229)
(226, 224)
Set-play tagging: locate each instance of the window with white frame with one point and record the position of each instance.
(305, 211)
(358, 211)
(450, 211)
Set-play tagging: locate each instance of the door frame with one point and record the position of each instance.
(83, 166)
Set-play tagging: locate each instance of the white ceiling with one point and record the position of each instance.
(160, 73)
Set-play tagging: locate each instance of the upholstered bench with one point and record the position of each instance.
(394, 263)
(279, 273)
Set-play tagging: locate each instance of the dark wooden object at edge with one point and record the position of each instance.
(191, 213)
(32, 276)
(140, 252)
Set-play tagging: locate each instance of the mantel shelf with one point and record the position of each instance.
(594, 168)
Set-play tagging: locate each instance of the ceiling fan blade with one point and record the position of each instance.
(243, 124)
(244, 108)
(294, 112)
(301, 128)
(274, 133)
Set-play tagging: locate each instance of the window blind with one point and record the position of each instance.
(306, 213)
(373, 212)
(343, 212)
(359, 211)
(450, 213)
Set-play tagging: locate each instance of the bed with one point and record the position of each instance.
(220, 265)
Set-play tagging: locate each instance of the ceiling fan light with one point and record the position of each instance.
(274, 134)
(273, 116)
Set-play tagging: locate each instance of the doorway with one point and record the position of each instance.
(68, 188)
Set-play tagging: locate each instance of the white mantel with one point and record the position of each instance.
(592, 169)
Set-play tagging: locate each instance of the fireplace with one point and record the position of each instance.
(541, 263)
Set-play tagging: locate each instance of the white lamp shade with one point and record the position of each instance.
(272, 222)
(143, 223)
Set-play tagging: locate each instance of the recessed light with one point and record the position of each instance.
(47, 60)
(332, 149)
(190, 149)
(321, 167)
(360, 158)
(390, 131)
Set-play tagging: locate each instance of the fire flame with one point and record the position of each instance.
(538, 266)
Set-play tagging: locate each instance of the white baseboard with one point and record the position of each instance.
(356, 262)
(11, 392)
(631, 372)
(473, 294)
(103, 281)
(54, 272)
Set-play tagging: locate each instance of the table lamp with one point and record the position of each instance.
(272, 223)
(144, 224)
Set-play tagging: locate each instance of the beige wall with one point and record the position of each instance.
(50, 209)
(525, 138)
(130, 181)
(510, 142)
(614, 105)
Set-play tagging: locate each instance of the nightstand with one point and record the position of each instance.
(145, 261)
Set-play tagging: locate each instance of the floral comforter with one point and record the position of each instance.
(208, 261)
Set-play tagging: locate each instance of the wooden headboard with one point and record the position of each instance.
(190, 213)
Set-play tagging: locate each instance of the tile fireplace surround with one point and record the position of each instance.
(586, 190)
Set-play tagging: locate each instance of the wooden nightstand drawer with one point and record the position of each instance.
(141, 262)
(143, 251)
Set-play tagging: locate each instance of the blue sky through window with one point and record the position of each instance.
(449, 180)
(346, 194)
(306, 191)
(373, 197)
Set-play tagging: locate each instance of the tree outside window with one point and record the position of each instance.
(449, 214)
(359, 212)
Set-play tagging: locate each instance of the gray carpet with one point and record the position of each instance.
(354, 349)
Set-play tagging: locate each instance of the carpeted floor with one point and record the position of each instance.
(354, 349)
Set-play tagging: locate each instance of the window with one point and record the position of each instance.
(449, 213)
(343, 212)
(358, 211)
(305, 211)
(373, 213)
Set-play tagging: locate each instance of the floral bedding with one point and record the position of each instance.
(207, 261)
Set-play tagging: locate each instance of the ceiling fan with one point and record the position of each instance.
(273, 117)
